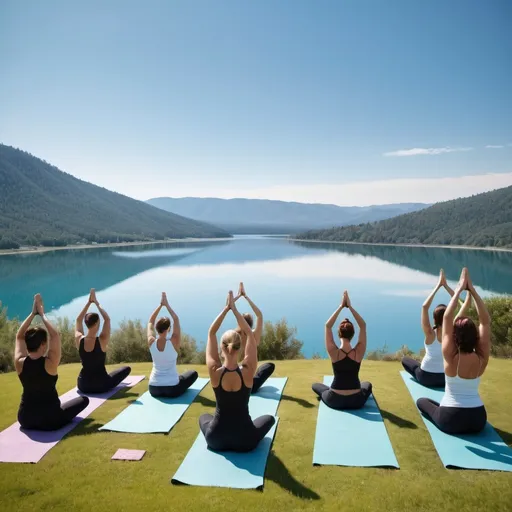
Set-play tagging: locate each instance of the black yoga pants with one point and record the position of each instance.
(52, 419)
(454, 420)
(262, 374)
(186, 380)
(243, 439)
(337, 401)
(427, 379)
(103, 384)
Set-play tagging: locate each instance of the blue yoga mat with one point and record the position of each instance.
(485, 450)
(353, 437)
(204, 467)
(150, 415)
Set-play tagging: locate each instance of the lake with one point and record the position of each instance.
(299, 281)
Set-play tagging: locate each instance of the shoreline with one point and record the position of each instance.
(40, 250)
(463, 247)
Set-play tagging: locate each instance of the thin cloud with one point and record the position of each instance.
(425, 151)
(494, 146)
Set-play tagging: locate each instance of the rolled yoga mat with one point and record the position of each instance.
(485, 450)
(150, 415)
(204, 467)
(18, 445)
(352, 437)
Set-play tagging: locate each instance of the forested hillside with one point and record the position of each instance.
(269, 216)
(41, 205)
(484, 220)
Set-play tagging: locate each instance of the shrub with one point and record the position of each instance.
(278, 342)
(128, 343)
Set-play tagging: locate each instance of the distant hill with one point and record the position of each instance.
(41, 205)
(266, 216)
(483, 220)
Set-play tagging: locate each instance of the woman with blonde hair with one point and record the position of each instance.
(231, 428)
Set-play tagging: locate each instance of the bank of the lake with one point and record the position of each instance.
(78, 474)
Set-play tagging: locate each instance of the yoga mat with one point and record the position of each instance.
(149, 415)
(353, 437)
(485, 450)
(204, 467)
(18, 445)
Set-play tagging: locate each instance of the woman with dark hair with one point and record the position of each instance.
(93, 377)
(466, 350)
(164, 380)
(430, 372)
(232, 429)
(36, 359)
(267, 369)
(346, 391)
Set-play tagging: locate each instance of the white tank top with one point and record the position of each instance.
(433, 361)
(461, 392)
(164, 372)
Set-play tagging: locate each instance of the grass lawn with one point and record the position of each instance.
(78, 474)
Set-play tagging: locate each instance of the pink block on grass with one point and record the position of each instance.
(123, 454)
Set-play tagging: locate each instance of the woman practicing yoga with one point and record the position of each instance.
(93, 377)
(431, 371)
(36, 359)
(346, 391)
(267, 369)
(232, 429)
(466, 351)
(164, 380)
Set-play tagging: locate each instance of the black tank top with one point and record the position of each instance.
(232, 405)
(346, 373)
(93, 362)
(38, 385)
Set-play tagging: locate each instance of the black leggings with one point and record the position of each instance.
(427, 379)
(262, 374)
(336, 401)
(234, 438)
(37, 419)
(103, 384)
(186, 380)
(454, 420)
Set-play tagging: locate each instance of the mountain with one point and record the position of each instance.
(267, 216)
(41, 205)
(483, 220)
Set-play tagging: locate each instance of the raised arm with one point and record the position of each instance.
(360, 348)
(448, 344)
(250, 360)
(483, 348)
(425, 318)
(176, 330)
(212, 346)
(259, 315)
(105, 331)
(54, 345)
(330, 346)
(465, 307)
(79, 324)
(20, 348)
(150, 330)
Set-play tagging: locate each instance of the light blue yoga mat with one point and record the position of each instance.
(485, 450)
(150, 415)
(204, 467)
(353, 437)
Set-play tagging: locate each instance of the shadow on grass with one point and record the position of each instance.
(506, 436)
(397, 420)
(299, 401)
(278, 473)
(206, 402)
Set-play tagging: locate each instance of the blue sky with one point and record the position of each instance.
(351, 102)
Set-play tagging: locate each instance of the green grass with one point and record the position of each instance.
(78, 474)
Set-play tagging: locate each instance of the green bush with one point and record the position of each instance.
(128, 343)
(278, 342)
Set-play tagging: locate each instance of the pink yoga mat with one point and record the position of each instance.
(18, 445)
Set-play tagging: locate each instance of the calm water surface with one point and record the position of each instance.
(301, 282)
